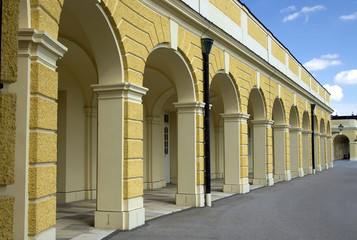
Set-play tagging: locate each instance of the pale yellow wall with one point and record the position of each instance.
(278, 52)
(257, 33)
(305, 77)
(229, 8)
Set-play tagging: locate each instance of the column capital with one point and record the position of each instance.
(281, 126)
(190, 107)
(329, 137)
(306, 132)
(299, 130)
(262, 122)
(317, 134)
(240, 117)
(323, 135)
(40, 46)
(124, 90)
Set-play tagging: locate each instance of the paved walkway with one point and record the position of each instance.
(321, 206)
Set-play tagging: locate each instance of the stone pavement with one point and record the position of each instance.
(321, 206)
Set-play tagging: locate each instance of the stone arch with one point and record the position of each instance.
(323, 144)
(341, 146)
(306, 121)
(295, 143)
(258, 127)
(306, 143)
(294, 117)
(225, 104)
(170, 104)
(280, 142)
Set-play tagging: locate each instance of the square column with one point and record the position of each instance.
(353, 151)
(306, 151)
(281, 156)
(155, 154)
(323, 147)
(261, 175)
(120, 154)
(329, 151)
(235, 153)
(190, 191)
(296, 164)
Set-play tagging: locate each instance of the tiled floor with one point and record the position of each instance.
(76, 220)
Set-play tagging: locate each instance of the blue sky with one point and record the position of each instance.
(322, 35)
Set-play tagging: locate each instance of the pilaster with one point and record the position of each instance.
(296, 158)
(281, 152)
(236, 153)
(306, 145)
(262, 152)
(120, 157)
(190, 178)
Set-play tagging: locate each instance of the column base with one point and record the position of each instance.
(119, 220)
(294, 173)
(353, 159)
(326, 166)
(269, 181)
(331, 164)
(319, 168)
(193, 200)
(301, 172)
(236, 188)
(283, 177)
(155, 185)
(49, 234)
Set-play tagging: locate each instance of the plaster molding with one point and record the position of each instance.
(262, 122)
(123, 90)
(298, 130)
(190, 107)
(40, 46)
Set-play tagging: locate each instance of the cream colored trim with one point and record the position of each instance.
(190, 107)
(40, 46)
(281, 126)
(173, 34)
(127, 91)
(295, 129)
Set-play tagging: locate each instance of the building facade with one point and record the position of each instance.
(344, 130)
(102, 99)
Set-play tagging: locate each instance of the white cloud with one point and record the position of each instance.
(312, 9)
(304, 10)
(336, 92)
(291, 17)
(352, 16)
(347, 77)
(289, 9)
(323, 62)
(330, 56)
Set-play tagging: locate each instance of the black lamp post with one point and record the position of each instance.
(313, 135)
(206, 49)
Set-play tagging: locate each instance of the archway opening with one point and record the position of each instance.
(295, 135)
(224, 134)
(306, 143)
(257, 127)
(279, 143)
(341, 145)
(323, 143)
(167, 132)
(92, 58)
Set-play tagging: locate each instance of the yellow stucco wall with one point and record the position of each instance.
(7, 218)
(305, 77)
(229, 8)
(257, 33)
(278, 52)
(7, 137)
(41, 215)
(9, 43)
(293, 66)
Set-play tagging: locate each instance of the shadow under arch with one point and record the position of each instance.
(170, 124)
(296, 167)
(341, 146)
(225, 133)
(306, 143)
(94, 58)
(279, 142)
(257, 140)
